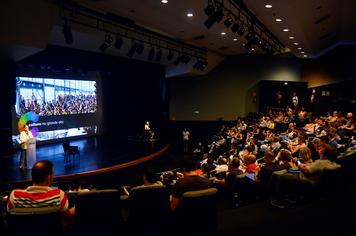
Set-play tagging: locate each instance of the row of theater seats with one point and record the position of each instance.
(148, 212)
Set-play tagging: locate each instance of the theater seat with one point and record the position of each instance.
(149, 207)
(98, 211)
(197, 213)
(38, 224)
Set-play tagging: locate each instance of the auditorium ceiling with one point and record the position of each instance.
(314, 27)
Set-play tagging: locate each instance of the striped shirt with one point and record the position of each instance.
(37, 199)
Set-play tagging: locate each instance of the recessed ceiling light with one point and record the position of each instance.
(223, 33)
(302, 52)
(296, 44)
(299, 48)
(235, 39)
(189, 14)
(164, 1)
(278, 20)
(285, 83)
(268, 6)
(305, 55)
(291, 37)
(285, 30)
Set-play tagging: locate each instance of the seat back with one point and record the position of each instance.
(149, 207)
(198, 211)
(97, 210)
(40, 224)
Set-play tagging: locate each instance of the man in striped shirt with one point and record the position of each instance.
(40, 197)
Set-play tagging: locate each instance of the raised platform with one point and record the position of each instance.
(97, 155)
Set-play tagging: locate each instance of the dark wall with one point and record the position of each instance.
(337, 65)
(7, 99)
(228, 91)
(340, 96)
(130, 88)
(268, 93)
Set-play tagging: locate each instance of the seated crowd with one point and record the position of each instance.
(278, 158)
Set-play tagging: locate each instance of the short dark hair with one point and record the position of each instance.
(189, 164)
(40, 171)
(150, 174)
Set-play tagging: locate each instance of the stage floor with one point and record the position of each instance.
(95, 153)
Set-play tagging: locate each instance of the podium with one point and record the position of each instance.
(31, 153)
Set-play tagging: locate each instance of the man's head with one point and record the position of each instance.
(268, 157)
(42, 173)
(189, 164)
(149, 175)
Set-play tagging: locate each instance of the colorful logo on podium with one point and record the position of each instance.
(27, 117)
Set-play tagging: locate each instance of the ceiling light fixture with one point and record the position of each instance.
(235, 39)
(170, 56)
(132, 50)
(164, 1)
(159, 56)
(228, 21)
(278, 20)
(291, 37)
(268, 6)
(305, 56)
(302, 52)
(299, 48)
(118, 41)
(68, 36)
(151, 54)
(285, 30)
(223, 33)
(296, 44)
(217, 16)
(139, 48)
(189, 14)
(210, 9)
(107, 42)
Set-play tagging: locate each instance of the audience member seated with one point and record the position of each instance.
(40, 198)
(289, 186)
(190, 181)
(149, 179)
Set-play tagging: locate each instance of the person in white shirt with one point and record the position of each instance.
(25, 136)
(185, 134)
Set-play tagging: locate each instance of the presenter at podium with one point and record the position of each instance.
(28, 148)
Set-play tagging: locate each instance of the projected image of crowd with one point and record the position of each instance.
(63, 105)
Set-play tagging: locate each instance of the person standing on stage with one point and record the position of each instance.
(25, 136)
(185, 134)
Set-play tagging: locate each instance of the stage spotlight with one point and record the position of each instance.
(159, 56)
(235, 27)
(241, 31)
(182, 59)
(107, 42)
(210, 9)
(186, 59)
(151, 54)
(139, 48)
(132, 50)
(217, 16)
(228, 21)
(67, 33)
(118, 41)
(200, 64)
(170, 56)
(248, 46)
